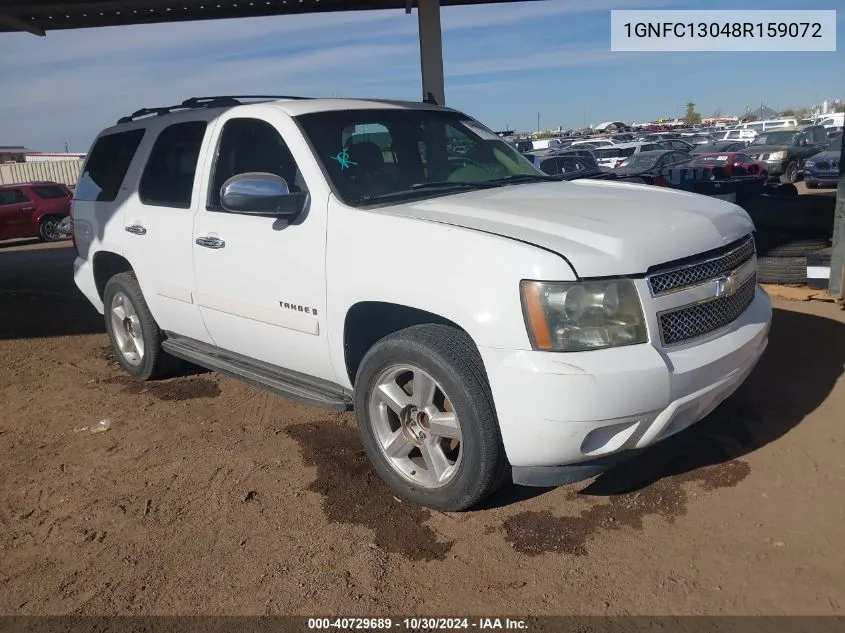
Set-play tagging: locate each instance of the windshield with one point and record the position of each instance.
(640, 161)
(372, 156)
(775, 138)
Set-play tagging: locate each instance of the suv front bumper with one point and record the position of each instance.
(567, 417)
(777, 167)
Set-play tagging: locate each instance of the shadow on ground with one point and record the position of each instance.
(798, 371)
(38, 297)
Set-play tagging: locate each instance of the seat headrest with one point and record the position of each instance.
(366, 154)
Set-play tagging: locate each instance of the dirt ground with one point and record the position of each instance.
(207, 496)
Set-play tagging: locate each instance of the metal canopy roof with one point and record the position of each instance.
(40, 16)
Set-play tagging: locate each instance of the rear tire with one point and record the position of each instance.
(135, 336)
(48, 228)
(439, 447)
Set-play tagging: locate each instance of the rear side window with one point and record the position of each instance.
(107, 165)
(168, 178)
(12, 196)
(549, 166)
(50, 192)
(568, 165)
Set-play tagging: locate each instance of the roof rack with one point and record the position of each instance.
(202, 102)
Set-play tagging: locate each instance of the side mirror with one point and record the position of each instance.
(261, 193)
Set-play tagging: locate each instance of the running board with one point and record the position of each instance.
(283, 382)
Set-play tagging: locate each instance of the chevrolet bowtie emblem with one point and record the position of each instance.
(726, 285)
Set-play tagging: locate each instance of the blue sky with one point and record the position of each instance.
(504, 63)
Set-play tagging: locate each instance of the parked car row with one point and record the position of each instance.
(784, 154)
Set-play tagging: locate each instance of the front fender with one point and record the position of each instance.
(466, 276)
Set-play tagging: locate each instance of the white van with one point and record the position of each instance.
(832, 121)
(768, 125)
(546, 143)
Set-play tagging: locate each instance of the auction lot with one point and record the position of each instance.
(208, 496)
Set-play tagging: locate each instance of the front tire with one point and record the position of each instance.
(426, 418)
(134, 334)
(790, 175)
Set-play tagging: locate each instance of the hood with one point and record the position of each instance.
(753, 150)
(602, 228)
(829, 154)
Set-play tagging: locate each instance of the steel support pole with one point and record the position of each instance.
(837, 259)
(431, 51)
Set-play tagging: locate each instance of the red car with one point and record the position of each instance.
(733, 164)
(33, 209)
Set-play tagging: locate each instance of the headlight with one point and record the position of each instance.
(809, 163)
(578, 316)
(777, 156)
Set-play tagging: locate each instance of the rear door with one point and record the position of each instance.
(16, 211)
(158, 223)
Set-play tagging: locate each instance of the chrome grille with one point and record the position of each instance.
(689, 322)
(696, 272)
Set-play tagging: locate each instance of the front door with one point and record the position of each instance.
(16, 211)
(260, 280)
(158, 220)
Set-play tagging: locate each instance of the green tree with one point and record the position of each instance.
(840, 108)
(692, 116)
(789, 112)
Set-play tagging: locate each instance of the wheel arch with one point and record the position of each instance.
(367, 322)
(106, 265)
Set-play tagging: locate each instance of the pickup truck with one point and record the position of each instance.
(483, 319)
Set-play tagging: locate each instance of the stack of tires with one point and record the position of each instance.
(782, 255)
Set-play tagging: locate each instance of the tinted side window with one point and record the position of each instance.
(168, 179)
(550, 166)
(819, 135)
(107, 165)
(50, 192)
(252, 145)
(568, 165)
(12, 196)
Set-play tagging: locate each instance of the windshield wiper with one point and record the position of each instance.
(517, 178)
(446, 185)
(457, 184)
(486, 184)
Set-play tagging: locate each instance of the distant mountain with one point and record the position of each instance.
(767, 112)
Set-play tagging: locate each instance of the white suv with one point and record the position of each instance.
(482, 318)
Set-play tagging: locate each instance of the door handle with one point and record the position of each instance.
(136, 229)
(210, 242)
